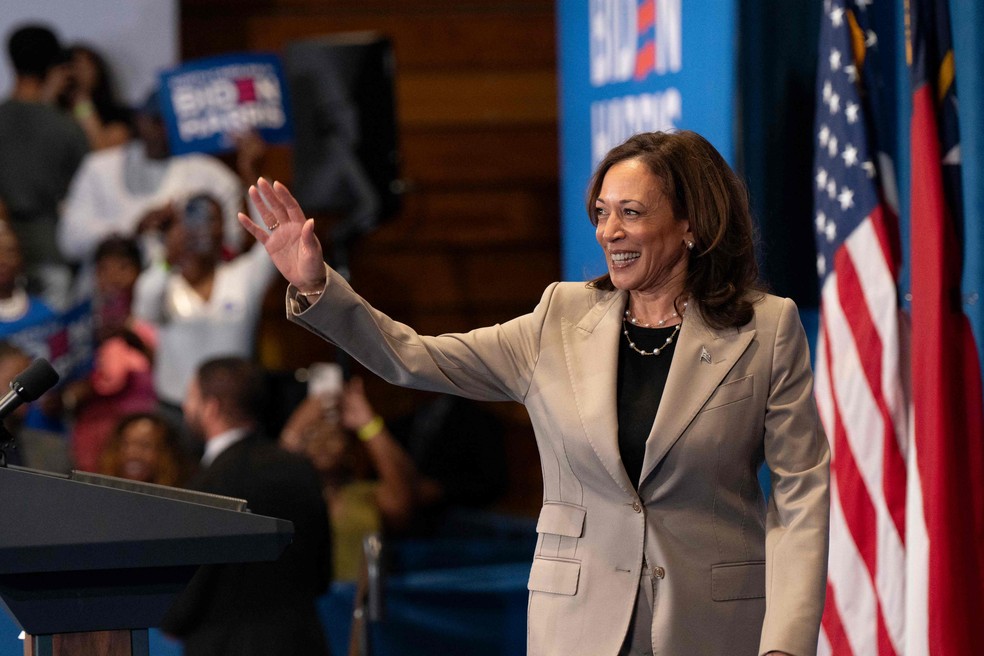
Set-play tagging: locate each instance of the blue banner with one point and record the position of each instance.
(630, 66)
(207, 102)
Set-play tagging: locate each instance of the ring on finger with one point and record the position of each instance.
(274, 226)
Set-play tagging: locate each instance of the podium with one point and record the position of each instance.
(89, 562)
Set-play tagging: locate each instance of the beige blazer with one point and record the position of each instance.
(732, 575)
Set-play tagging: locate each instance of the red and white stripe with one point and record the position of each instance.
(864, 410)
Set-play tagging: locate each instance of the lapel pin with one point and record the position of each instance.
(705, 356)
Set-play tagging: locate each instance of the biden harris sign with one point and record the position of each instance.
(630, 66)
(207, 102)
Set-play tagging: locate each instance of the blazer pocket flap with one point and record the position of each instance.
(736, 390)
(738, 580)
(558, 518)
(554, 576)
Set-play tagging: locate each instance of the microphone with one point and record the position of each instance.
(28, 385)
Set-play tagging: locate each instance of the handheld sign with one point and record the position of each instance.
(207, 102)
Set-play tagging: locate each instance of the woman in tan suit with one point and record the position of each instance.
(655, 394)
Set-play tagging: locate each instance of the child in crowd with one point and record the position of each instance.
(121, 381)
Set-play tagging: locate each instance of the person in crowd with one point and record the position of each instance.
(13, 361)
(334, 433)
(19, 310)
(253, 609)
(40, 150)
(200, 305)
(121, 381)
(458, 448)
(92, 100)
(139, 187)
(656, 392)
(144, 447)
(25, 322)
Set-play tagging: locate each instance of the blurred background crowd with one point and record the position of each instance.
(124, 264)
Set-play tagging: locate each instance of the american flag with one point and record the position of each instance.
(859, 386)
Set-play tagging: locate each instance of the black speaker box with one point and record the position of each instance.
(346, 159)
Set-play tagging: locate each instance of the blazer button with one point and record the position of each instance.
(658, 572)
(636, 506)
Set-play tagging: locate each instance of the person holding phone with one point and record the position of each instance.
(201, 305)
(368, 480)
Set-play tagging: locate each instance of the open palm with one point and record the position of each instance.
(290, 242)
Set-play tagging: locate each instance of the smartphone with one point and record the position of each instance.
(324, 379)
(197, 219)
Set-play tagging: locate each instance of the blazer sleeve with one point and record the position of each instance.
(494, 363)
(798, 516)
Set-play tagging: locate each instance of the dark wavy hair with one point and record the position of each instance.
(722, 274)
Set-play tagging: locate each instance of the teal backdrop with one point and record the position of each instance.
(747, 81)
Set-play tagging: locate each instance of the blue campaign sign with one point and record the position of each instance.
(630, 66)
(206, 102)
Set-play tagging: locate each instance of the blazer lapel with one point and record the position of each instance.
(703, 357)
(591, 346)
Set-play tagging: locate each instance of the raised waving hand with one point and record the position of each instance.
(289, 236)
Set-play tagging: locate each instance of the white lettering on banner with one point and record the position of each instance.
(238, 119)
(668, 36)
(613, 37)
(226, 100)
(615, 120)
(221, 95)
(267, 89)
(620, 47)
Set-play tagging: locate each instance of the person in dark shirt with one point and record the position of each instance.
(40, 150)
(252, 609)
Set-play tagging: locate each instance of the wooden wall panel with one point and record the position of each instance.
(488, 157)
(454, 38)
(477, 238)
(463, 98)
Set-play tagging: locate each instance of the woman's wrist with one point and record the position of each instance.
(313, 289)
(371, 429)
(83, 109)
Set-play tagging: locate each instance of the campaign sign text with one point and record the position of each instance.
(207, 102)
(630, 66)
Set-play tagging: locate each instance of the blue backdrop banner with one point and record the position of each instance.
(629, 66)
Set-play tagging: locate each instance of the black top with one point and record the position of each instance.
(641, 380)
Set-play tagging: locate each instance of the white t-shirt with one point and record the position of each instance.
(99, 202)
(190, 329)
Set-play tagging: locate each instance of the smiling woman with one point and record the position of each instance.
(684, 173)
(655, 394)
(645, 244)
(145, 448)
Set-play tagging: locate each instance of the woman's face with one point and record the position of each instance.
(116, 274)
(140, 450)
(84, 70)
(198, 233)
(644, 244)
(327, 446)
